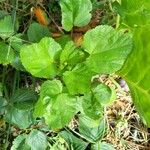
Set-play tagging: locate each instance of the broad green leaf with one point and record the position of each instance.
(37, 140)
(102, 146)
(136, 72)
(78, 80)
(108, 49)
(19, 143)
(6, 54)
(92, 107)
(6, 27)
(104, 94)
(75, 13)
(51, 88)
(22, 118)
(60, 111)
(57, 111)
(24, 99)
(92, 132)
(37, 31)
(40, 59)
(135, 12)
(73, 142)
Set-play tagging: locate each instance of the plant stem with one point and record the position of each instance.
(118, 17)
(14, 13)
(117, 21)
(3, 75)
(14, 83)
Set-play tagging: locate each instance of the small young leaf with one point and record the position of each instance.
(75, 13)
(92, 107)
(104, 94)
(67, 51)
(40, 59)
(78, 80)
(71, 55)
(51, 88)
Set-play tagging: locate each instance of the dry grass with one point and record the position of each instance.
(126, 130)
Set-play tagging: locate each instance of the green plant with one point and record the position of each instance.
(69, 85)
